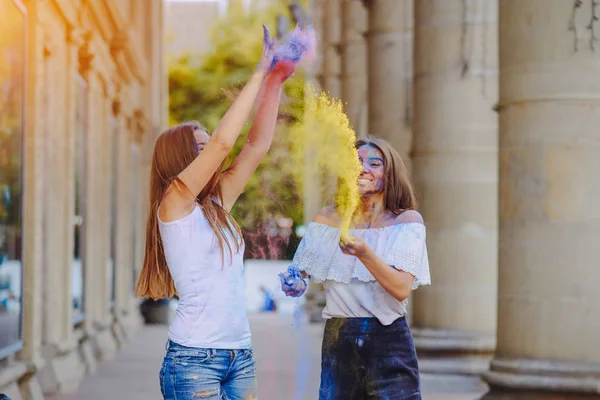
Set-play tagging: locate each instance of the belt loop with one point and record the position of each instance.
(167, 344)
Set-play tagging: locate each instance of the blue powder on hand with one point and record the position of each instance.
(299, 43)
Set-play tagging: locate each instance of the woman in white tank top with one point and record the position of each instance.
(194, 247)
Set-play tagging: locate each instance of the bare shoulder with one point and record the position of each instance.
(409, 216)
(328, 216)
(175, 204)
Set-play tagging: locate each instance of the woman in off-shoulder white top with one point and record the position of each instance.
(368, 351)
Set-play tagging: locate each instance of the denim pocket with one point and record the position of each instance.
(185, 357)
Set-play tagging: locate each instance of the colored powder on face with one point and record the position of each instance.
(325, 132)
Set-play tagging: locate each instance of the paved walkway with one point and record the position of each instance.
(288, 366)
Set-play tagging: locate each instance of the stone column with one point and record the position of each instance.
(332, 37)
(124, 209)
(455, 173)
(99, 342)
(56, 255)
(92, 263)
(549, 192)
(63, 370)
(104, 342)
(32, 219)
(389, 53)
(354, 64)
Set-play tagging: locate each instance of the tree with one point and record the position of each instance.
(204, 92)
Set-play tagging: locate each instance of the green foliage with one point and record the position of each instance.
(204, 92)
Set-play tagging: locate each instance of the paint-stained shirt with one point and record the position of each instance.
(211, 312)
(351, 291)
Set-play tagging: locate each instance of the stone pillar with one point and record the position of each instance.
(549, 152)
(100, 94)
(123, 283)
(332, 37)
(98, 342)
(317, 19)
(53, 130)
(455, 173)
(32, 316)
(354, 64)
(390, 72)
(63, 370)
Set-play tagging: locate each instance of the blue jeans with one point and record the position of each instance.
(363, 359)
(194, 373)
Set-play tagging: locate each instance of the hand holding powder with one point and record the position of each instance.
(300, 44)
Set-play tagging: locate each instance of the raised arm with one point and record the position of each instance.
(178, 203)
(257, 146)
(298, 44)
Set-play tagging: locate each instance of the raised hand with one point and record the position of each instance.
(300, 44)
(266, 62)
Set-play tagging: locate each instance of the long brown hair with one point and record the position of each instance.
(174, 150)
(399, 194)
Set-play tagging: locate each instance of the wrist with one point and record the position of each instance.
(274, 81)
(260, 74)
(367, 256)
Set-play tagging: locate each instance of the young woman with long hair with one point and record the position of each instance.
(368, 351)
(194, 248)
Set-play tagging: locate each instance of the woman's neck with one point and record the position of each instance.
(370, 211)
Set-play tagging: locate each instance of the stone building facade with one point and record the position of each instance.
(82, 98)
(187, 27)
(494, 105)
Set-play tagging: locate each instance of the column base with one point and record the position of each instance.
(12, 391)
(541, 379)
(131, 323)
(498, 394)
(453, 352)
(31, 389)
(118, 331)
(470, 386)
(9, 378)
(29, 383)
(104, 344)
(86, 349)
(63, 370)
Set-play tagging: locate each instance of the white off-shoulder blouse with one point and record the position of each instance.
(351, 291)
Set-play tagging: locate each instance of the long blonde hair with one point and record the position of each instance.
(174, 150)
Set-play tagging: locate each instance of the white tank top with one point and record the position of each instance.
(211, 312)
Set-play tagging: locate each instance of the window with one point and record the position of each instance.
(12, 95)
(77, 279)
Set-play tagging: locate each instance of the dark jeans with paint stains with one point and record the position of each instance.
(363, 359)
(195, 373)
